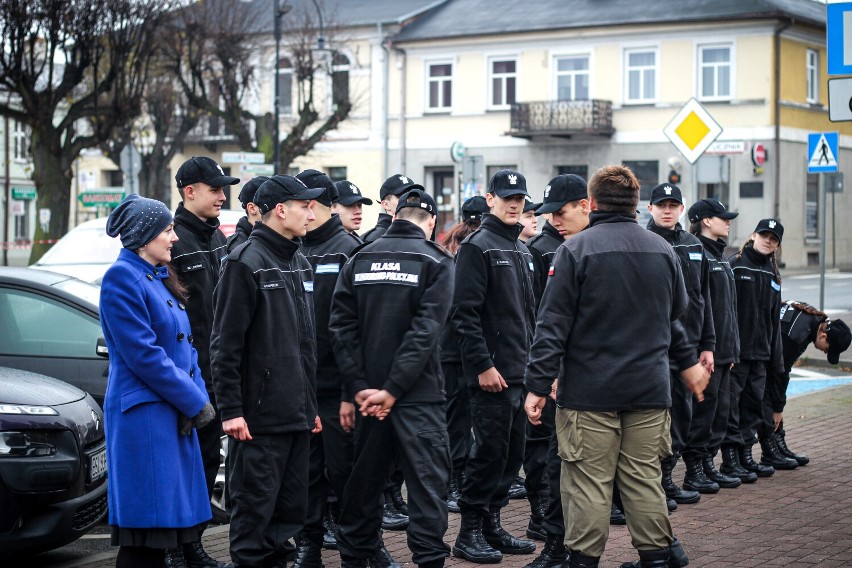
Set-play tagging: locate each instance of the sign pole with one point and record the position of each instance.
(822, 247)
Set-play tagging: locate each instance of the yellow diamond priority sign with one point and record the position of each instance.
(692, 130)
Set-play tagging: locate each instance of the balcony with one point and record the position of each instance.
(563, 119)
(210, 130)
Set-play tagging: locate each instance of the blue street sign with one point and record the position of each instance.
(822, 152)
(838, 23)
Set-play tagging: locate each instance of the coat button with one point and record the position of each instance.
(192, 372)
(149, 276)
(190, 338)
(170, 303)
(181, 306)
(180, 336)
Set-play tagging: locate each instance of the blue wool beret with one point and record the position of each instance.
(138, 220)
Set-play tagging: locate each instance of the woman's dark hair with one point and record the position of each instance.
(810, 310)
(454, 237)
(175, 285)
(695, 227)
(773, 258)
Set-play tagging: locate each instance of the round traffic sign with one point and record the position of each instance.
(457, 151)
(758, 154)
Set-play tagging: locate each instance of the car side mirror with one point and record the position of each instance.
(101, 349)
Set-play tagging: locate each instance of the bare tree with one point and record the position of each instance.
(72, 70)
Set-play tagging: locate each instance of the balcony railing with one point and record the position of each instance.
(562, 118)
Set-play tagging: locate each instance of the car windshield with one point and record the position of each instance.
(83, 246)
(82, 290)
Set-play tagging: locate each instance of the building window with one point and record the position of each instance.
(812, 207)
(714, 68)
(339, 80)
(440, 86)
(285, 86)
(572, 78)
(491, 170)
(813, 76)
(337, 173)
(504, 77)
(641, 75)
(20, 142)
(582, 171)
(648, 174)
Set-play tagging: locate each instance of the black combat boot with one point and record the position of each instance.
(471, 544)
(553, 555)
(174, 558)
(782, 445)
(677, 558)
(196, 557)
(713, 474)
(454, 493)
(392, 518)
(673, 491)
(308, 553)
(616, 515)
(329, 525)
(432, 564)
(695, 478)
(671, 505)
(518, 490)
(538, 507)
(352, 562)
(731, 465)
(499, 538)
(398, 499)
(770, 454)
(382, 558)
(577, 560)
(748, 462)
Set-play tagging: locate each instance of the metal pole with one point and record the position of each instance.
(276, 161)
(822, 247)
(833, 228)
(6, 222)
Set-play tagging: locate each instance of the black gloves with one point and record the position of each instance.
(202, 419)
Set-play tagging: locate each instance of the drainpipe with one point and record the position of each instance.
(385, 114)
(776, 205)
(402, 111)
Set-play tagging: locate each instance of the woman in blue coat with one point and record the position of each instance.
(157, 492)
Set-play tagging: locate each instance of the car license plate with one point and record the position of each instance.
(97, 465)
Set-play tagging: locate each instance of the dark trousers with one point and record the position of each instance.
(704, 415)
(210, 442)
(458, 414)
(535, 451)
(499, 427)
(723, 408)
(417, 437)
(554, 520)
(330, 465)
(268, 487)
(681, 413)
(748, 382)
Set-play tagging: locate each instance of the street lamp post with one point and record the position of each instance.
(277, 13)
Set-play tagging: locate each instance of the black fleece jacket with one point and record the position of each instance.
(391, 301)
(723, 294)
(606, 317)
(263, 343)
(543, 247)
(798, 330)
(241, 234)
(381, 226)
(494, 304)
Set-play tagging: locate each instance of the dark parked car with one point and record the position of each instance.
(52, 462)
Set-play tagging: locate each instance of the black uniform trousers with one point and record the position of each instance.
(719, 427)
(710, 417)
(416, 436)
(499, 423)
(210, 443)
(268, 486)
(535, 451)
(554, 520)
(458, 414)
(748, 383)
(681, 413)
(330, 465)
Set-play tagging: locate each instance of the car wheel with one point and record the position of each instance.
(219, 500)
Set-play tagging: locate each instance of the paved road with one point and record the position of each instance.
(805, 287)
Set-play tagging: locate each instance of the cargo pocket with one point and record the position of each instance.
(437, 444)
(569, 435)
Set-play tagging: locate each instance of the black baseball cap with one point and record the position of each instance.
(201, 169)
(664, 192)
(315, 178)
(474, 208)
(249, 189)
(771, 226)
(417, 198)
(398, 184)
(530, 206)
(506, 183)
(279, 189)
(839, 339)
(560, 190)
(349, 194)
(707, 208)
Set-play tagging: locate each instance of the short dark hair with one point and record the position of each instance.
(413, 214)
(615, 189)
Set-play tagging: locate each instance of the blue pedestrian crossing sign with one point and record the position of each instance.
(822, 152)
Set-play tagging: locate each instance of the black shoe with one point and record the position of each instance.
(748, 462)
(553, 555)
(782, 446)
(577, 560)
(329, 524)
(731, 465)
(352, 562)
(671, 505)
(454, 494)
(398, 499)
(196, 557)
(695, 478)
(651, 559)
(392, 518)
(432, 564)
(174, 558)
(616, 515)
(538, 507)
(308, 554)
(672, 489)
(518, 490)
(499, 538)
(471, 544)
(382, 558)
(677, 557)
(770, 455)
(713, 474)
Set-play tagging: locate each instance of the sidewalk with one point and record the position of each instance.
(794, 518)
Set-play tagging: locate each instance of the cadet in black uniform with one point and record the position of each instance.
(349, 205)
(666, 207)
(246, 224)
(389, 194)
(391, 301)
(197, 256)
(494, 316)
(758, 305)
(529, 221)
(711, 223)
(801, 325)
(264, 364)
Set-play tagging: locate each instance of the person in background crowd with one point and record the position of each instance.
(197, 257)
(710, 221)
(247, 223)
(264, 364)
(801, 325)
(758, 285)
(349, 205)
(389, 193)
(529, 221)
(155, 398)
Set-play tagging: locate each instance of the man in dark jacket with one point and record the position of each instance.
(494, 314)
(666, 207)
(196, 256)
(349, 205)
(611, 356)
(389, 194)
(264, 364)
(391, 301)
(247, 223)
